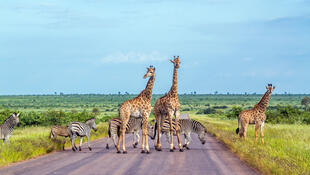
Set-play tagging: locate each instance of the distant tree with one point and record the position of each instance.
(96, 110)
(195, 93)
(305, 102)
(216, 92)
(119, 93)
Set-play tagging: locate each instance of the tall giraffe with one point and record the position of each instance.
(169, 105)
(255, 116)
(139, 106)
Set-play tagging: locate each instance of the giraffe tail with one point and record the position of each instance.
(237, 130)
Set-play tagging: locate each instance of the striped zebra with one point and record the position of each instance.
(59, 131)
(81, 129)
(6, 129)
(186, 126)
(134, 126)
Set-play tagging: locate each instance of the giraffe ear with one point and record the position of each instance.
(266, 87)
(274, 87)
(171, 61)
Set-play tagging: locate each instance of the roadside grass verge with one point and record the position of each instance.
(286, 149)
(30, 142)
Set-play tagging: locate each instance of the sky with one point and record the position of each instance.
(100, 46)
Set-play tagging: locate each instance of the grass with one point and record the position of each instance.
(30, 142)
(286, 149)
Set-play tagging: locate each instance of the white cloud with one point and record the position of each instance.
(134, 57)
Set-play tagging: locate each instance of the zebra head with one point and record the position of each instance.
(92, 123)
(16, 119)
(150, 131)
(201, 134)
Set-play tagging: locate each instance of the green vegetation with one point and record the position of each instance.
(286, 149)
(29, 142)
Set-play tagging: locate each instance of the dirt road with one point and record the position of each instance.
(211, 158)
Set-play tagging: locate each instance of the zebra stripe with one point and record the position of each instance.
(186, 126)
(134, 126)
(6, 129)
(81, 129)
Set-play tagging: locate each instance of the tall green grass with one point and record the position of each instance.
(286, 149)
(30, 142)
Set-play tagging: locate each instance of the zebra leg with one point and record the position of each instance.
(88, 143)
(73, 142)
(63, 147)
(81, 141)
(177, 129)
(187, 140)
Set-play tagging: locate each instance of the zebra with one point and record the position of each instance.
(6, 129)
(187, 126)
(134, 126)
(60, 131)
(81, 129)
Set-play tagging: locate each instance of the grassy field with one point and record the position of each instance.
(286, 149)
(30, 142)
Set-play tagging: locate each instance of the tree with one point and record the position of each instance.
(305, 102)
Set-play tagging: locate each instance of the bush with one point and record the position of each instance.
(288, 114)
(48, 118)
(207, 111)
(234, 113)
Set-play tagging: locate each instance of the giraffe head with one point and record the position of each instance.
(150, 72)
(270, 88)
(176, 61)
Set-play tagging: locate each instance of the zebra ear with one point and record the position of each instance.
(18, 115)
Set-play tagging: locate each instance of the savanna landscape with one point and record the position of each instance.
(286, 148)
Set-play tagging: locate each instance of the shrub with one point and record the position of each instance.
(234, 113)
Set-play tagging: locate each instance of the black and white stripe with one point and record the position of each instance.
(6, 129)
(81, 129)
(186, 126)
(134, 126)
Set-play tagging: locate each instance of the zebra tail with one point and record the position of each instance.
(109, 131)
(237, 130)
(155, 129)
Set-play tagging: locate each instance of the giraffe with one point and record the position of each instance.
(139, 106)
(255, 116)
(169, 105)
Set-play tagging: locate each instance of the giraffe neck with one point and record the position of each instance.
(174, 88)
(147, 92)
(262, 104)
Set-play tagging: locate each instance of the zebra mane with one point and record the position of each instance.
(90, 119)
(199, 124)
(9, 118)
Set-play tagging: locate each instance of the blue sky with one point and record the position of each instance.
(98, 46)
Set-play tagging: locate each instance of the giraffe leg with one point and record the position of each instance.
(123, 138)
(159, 119)
(171, 130)
(177, 117)
(245, 130)
(119, 143)
(262, 131)
(144, 134)
(257, 124)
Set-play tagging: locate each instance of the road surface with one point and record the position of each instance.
(211, 158)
